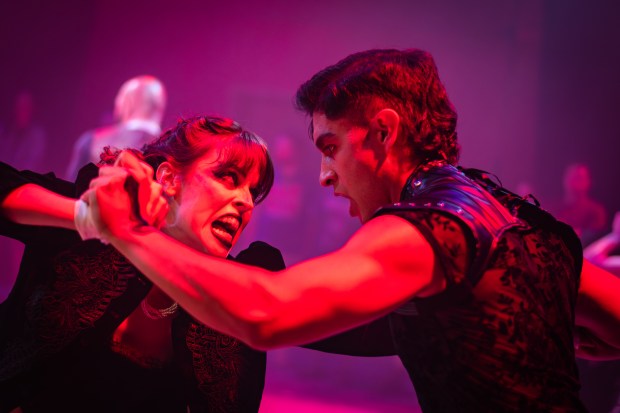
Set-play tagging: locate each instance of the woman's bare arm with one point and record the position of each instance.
(31, 204)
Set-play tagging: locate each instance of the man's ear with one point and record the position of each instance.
(168, 177)
(386, 124)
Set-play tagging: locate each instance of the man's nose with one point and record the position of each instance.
(327, 177)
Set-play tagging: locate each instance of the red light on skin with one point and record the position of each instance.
(597, 311)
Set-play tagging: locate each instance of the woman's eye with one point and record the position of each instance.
(329, 150)
(234, 177)
(231, 177)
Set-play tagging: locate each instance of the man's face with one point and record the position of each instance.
(350, 164)
(213, 206)
(577, 180)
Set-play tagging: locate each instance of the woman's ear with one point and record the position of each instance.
(168, 177)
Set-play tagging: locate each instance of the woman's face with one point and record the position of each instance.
(212, 204)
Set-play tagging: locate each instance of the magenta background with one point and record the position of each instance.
(535, 83)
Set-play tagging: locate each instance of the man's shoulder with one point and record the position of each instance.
(388, 234)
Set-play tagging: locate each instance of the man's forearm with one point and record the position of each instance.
(216, 292)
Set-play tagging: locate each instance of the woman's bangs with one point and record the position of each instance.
(246, 154)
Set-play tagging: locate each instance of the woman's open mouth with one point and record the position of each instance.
(225, 229)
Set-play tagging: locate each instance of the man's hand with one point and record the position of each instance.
(151, 205)
(125, 196)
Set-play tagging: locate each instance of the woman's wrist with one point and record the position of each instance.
(85, 223)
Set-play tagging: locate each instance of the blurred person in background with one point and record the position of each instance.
(24, 143)
(577, 208)
(283, 219)
(605, 251)
(601, 379)
(588, 218)
(138, 109)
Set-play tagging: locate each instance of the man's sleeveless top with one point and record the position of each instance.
(499, 337)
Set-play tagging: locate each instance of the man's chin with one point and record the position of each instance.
(353, 209)
(365, 216)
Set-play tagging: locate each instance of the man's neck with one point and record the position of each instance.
(404, 171)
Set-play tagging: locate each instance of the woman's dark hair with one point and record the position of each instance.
(361, 84)
(193, 137)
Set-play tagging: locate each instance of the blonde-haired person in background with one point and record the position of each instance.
(139, 107)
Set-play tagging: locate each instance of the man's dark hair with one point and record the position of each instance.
(407, 81)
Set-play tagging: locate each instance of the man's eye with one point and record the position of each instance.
(328, 150)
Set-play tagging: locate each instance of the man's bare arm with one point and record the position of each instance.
(384, 264)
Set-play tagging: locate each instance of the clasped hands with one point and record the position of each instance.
(124, 196)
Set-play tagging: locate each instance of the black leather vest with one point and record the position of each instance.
(485, 208)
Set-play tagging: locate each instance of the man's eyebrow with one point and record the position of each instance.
(320, 141)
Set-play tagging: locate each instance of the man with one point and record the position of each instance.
(586, 215)
(24, 144)
(604, 251)
(478, 293)
(138, 108)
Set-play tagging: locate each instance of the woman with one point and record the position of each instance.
(83, 330)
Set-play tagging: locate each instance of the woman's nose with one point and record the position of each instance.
(243, 199)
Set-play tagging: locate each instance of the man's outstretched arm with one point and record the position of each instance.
(383, 265)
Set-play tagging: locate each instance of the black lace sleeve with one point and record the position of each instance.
(454, 248)
(11, 179)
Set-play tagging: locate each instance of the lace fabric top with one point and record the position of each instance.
(56, 329)
(499, 340)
